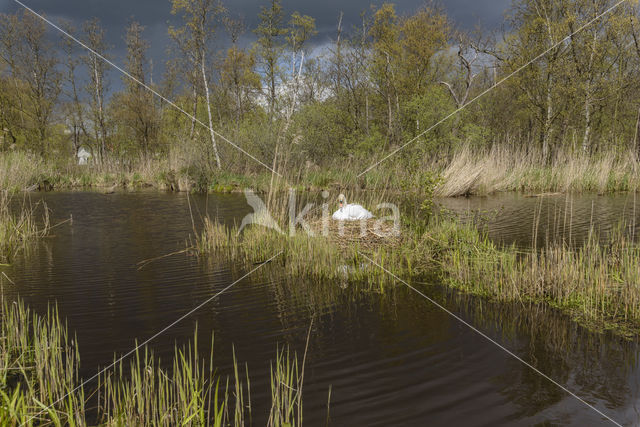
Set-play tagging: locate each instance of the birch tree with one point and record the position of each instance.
(33, 64)
(97, 85)
(195, 36)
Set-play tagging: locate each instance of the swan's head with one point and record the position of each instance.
(342, 200)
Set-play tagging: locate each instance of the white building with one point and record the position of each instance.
(83, 156)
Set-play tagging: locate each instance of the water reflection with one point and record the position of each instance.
(601, 368)
(527, 221)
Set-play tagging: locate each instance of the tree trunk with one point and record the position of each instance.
(548, 128)
(588, 96)
(587, 122)
(101, 133)
(366, 111)
(195, 111)
(211, 132)
(635, 137)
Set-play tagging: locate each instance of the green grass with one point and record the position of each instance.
(596, 284)
(18, 229)
(39, 382)
(38, 368)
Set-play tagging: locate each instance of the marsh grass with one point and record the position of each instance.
(192, 393)
(39, 382)
(19, 227)
(286, 391)
(38, 370)
(504, 169)
(596, 283)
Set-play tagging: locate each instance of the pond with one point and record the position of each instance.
(389, 359)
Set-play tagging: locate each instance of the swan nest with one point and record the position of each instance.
(364, 233)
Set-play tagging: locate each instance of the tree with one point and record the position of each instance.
(538, 27)
(200, 21)
(270, 46)
(385, 32)
(97, 85)
(422, 34)
(237, 72)
(74, 108)
(33, 65)
(139, 110)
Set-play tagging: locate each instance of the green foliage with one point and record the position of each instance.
(39, 382)
(424, 111)
(322, 130)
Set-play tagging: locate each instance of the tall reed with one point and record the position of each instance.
(596, 283)
(507, 169)
(18, 229)
(39, 382)
(38, 370)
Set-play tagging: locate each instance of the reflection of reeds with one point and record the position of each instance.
(17, 229)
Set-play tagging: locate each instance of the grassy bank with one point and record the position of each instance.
(466, 172)
(39, 383)
(22, 171)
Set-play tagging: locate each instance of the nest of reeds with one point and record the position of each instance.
(364, 233)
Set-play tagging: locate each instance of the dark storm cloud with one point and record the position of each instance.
(155, 14)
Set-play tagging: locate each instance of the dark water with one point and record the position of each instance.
(390, 359)
(527, 221)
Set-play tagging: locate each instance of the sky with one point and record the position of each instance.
(155, 15)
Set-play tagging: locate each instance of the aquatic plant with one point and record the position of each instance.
(38, 370)
(595, 283)
(19, 227)
(39, 382)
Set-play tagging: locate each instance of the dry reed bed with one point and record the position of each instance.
(500, 169)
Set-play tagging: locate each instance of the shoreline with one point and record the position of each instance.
(465, 174)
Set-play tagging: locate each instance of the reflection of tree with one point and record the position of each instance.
(592, 365)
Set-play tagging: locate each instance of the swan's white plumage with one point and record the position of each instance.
(350, 212)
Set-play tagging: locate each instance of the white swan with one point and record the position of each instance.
(350, 212)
